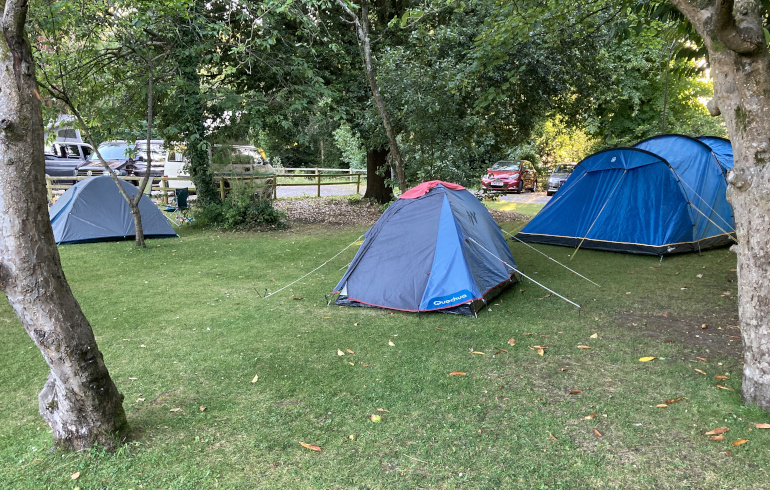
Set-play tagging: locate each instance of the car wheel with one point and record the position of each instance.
(534, 186)
(549, 193)
(521, 187)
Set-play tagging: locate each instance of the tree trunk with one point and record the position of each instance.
(377, 172)
(79, 400)
(362, 30)
(740, 66)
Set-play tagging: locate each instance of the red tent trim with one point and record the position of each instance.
(425, 187)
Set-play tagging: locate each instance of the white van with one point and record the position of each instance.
(174, 167)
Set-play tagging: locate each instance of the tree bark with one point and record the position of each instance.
(740, 65)
(79, 400)
(377, 173)
(362, 30)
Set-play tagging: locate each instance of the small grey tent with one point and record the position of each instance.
(93, 210)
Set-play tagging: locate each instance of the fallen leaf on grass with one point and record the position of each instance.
(351, 363)
(725, 388)
(674, 400)
(340, 353)
(762, 426)
(665, 313)
(75, 476)
(704, 326)
(647, 359)
(717, 431)
(390, 343)
(574, 392)
(382, 410)
(312, 447)
(349, 351)
(552, 436)
(721, 377)
(511, 341)
(726, 294)
(598, 433)
(176, 409)
(740, 441)
(540, 349)
(376, 419)
(477, 352)
(547, 295)
(439, 328)
(699, 371)
(594, 336)
(720, 437)
(661, 405)
(499, 350)
(457, 373)
(589, 417)
(729, 453)
(203, 408)
(584, 347)
(702, 359)
(255, 379)
(298, 299)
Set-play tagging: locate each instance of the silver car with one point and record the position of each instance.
(558, 176)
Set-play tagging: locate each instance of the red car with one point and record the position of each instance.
(510, 176)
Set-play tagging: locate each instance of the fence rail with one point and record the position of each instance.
(163, 187)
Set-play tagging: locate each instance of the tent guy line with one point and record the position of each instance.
(514, 269)
(551, 258)
(314, 270)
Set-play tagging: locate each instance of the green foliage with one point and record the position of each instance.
(351, 146)
(243, 208)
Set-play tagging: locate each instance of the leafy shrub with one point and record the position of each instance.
(242, 209)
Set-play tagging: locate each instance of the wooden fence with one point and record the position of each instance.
(163, 187)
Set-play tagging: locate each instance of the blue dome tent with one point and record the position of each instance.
(665, 195)
(93, 210)
(436, 248)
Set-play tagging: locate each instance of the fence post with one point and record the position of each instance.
(164, 184)
(358, 183)
(275, 186)
(318, 176)
(222, 188)
(49, 189)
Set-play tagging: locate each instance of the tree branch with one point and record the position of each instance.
(746, 39)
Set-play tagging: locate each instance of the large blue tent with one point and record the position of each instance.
(436, 248)
(665, 195)
(93, 210)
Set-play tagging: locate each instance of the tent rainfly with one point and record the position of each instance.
(665, 195)
(93, 210)
(436, 248)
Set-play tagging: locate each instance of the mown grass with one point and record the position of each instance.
(184, 332)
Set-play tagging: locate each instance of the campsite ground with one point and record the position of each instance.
(222, 385)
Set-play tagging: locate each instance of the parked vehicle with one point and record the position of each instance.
(510, 176)
(228, 162)
(63, 158)
(558, 176)
(126, 159)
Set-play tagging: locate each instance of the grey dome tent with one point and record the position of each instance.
(93, 210)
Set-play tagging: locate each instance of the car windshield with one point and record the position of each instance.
(121, 151)
(506, 166)
(564, 169)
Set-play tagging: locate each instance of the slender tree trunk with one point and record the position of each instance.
(362, 30)
(377, 173)
(79, 400)
(740, 65)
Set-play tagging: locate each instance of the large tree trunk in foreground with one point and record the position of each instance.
(740, 66)
(79, 401)
(377, 173)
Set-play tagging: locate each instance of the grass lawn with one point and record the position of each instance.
(222, 385)
(526, 208)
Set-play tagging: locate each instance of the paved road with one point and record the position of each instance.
(345, 190)
(312, 190)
